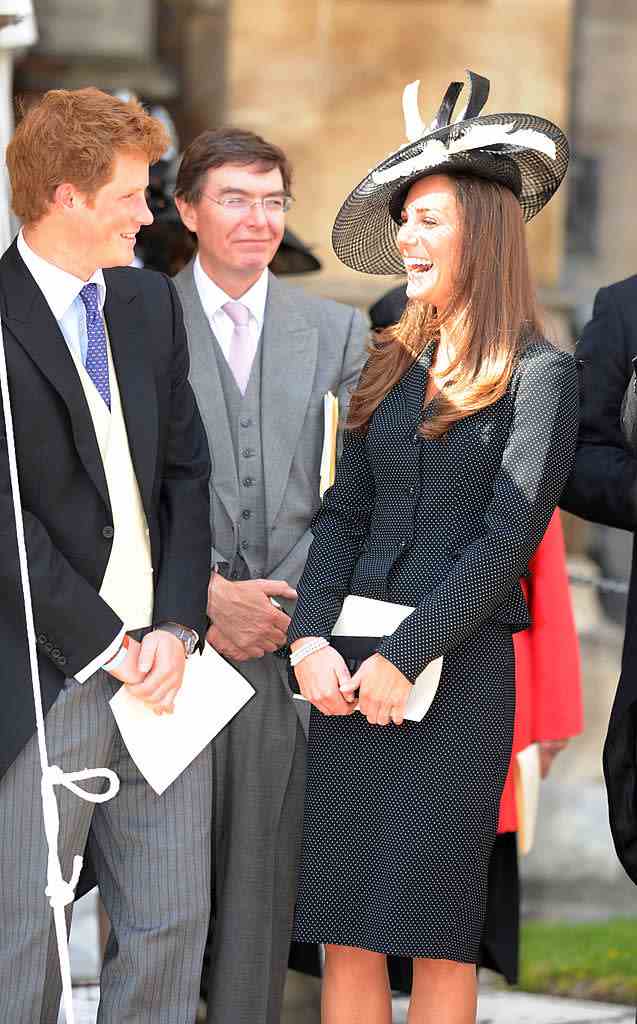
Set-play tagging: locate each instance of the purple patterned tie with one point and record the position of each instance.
(96, 352)
(243, 345)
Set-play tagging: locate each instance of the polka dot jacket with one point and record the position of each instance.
(454, 542)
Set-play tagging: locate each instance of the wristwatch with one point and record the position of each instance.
(188, 637)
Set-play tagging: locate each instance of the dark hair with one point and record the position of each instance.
(227, 146)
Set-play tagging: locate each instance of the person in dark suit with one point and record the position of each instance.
(603, 489)
(114, 466)
(459, 439)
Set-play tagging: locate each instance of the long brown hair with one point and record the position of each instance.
(489, 321)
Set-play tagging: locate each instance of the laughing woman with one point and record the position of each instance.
(459, 439)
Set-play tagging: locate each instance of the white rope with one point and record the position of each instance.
(59, 891)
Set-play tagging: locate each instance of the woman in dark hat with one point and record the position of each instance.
(459, 439)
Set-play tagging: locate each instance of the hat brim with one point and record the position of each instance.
(366, 226)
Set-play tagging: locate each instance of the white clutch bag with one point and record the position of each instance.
(359, 631)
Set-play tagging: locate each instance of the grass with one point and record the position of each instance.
(593, 960)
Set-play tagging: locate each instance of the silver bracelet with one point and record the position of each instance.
(317, 643)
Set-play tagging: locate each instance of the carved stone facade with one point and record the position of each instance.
(604, 138)
(167, 51)
(117, 28)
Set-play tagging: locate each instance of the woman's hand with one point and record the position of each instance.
(383, 691)
(320, 677)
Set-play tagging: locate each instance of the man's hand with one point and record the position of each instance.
(128, 670)
(321, 677)
(382, 691)
(162, 660)
(245, 622)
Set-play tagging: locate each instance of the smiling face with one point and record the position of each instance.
(235, 246)
(104, 225)
(429, 240)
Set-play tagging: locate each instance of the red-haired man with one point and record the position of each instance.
(114, 470)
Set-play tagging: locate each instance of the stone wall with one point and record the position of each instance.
(324, 78)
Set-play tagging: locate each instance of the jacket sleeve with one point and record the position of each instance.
(536, 461)
(603, 483)
(339, 528)
(184, 510)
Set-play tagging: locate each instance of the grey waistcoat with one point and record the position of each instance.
(244, 418)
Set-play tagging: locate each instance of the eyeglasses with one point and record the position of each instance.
(241, 204)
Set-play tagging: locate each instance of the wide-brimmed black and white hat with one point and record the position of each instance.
(526, 153)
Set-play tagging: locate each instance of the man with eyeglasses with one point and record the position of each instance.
(263, 356)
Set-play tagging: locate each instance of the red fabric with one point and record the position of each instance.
(547, 671)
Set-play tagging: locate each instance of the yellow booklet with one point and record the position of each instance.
(526, 779)
(328, 457)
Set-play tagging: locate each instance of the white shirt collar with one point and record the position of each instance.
(213, 297)
(60, 289)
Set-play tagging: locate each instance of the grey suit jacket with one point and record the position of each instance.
(310, 346)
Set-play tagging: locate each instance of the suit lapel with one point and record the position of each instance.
(290, 350)
(127, 332)
(31, 322)
(206, 383)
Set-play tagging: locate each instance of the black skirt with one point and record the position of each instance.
(400, 821)
(500, 943)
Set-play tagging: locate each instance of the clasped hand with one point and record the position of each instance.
(325, 681)
(154, 669)
(246, 624)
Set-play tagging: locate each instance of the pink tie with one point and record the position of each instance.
(242, 345)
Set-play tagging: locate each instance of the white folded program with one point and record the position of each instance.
(162, 746)
(365, 617)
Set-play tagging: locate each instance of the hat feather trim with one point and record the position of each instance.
(478, 136)
(414, 124)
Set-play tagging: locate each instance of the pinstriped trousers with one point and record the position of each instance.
(152, 860)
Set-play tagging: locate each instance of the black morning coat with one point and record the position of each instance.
(67, 514)
(603, 488)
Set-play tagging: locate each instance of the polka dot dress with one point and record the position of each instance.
(400, 820)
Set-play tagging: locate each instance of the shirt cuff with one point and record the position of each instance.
(102, 658)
